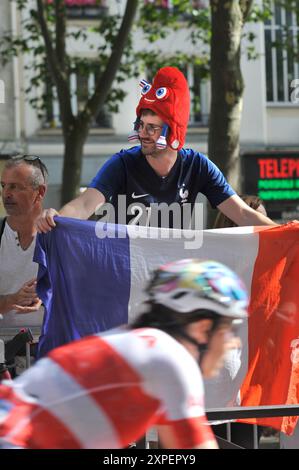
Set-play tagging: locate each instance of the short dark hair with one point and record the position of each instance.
(148, 111)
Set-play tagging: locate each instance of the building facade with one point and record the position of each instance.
(270, 119)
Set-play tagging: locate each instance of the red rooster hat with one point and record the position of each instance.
(168, 96)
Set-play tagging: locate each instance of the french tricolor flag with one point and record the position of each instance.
(92, 277)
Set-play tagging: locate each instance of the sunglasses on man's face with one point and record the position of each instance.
(33, 160)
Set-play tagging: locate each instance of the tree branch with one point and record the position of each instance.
(60, 32)
(104, 83)
(59, 79)
(246, 6)
(53, 65)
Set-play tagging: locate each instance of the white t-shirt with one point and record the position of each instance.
(16, 268)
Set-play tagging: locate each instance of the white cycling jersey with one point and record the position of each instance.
(105, 391)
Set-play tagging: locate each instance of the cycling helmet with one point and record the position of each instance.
(191, 285)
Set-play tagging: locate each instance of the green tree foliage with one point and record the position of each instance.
(45, 34)
(43, 37)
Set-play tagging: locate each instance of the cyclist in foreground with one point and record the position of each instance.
(106, 390)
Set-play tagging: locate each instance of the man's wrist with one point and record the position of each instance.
(7, 302)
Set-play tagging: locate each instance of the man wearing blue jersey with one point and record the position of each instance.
(158, 170)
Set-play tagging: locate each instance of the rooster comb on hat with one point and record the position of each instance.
(168, 96)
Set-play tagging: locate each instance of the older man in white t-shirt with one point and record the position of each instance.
(23, 187)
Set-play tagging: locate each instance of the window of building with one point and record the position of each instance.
(160, 3)
(199, 94)
(169, 4)
(86, 9)
(82, 86)
(281, 41)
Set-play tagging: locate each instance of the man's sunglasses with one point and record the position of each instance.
(35, 161)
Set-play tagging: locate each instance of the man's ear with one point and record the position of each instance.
(42, 191)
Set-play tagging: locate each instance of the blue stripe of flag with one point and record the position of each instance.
(76, 270)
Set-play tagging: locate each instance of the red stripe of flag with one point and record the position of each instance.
(273, 326)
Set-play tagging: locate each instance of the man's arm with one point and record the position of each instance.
(25, 300)
(84, 205)
(6, 303)
(80, 208)
(238, 211)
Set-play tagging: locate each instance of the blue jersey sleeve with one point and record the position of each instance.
(215, 186)
(109, 180)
